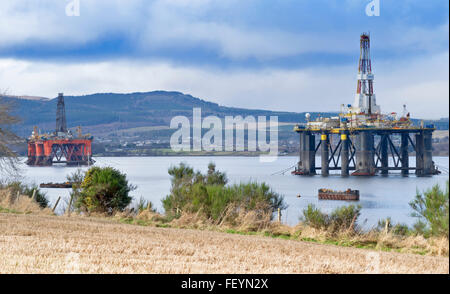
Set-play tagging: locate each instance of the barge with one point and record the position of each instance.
(66, 185)
(328, 194)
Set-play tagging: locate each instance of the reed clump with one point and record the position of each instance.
(31, 191)
(208, 196)
(12, 201)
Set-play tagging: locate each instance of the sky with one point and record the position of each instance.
(287, 55)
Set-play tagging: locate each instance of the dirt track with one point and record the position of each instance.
(49, 244)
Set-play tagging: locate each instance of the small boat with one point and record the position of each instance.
(66, 185)
(328, 194)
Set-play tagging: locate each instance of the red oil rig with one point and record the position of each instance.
(60, 146)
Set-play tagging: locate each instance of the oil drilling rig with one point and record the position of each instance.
(363, 137)
(60, 146)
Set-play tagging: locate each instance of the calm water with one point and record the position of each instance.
(381, 197)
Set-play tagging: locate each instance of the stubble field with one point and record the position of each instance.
(50, 244)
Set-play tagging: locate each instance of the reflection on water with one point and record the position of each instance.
(380, 197)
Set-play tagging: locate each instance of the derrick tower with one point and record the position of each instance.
(61, 125)
(365, 101)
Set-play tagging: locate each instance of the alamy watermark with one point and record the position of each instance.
(372, 263)
(73, 8)
(72, 263)
(373, 8)
(220, 136)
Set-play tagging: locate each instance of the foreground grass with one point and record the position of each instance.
(59, 244)
(7, 210)
(380, 242)
(374, 241)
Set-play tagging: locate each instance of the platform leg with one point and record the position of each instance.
(344, 154)
(404, 153)
(325, 142)
(384, 154)
(365, 165)
(307, 164)
(428, 165)
(419, 154)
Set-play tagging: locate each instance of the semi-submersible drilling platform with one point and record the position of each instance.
(363, 137)
(60, 146)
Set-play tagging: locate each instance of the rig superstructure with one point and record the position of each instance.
(364, 137)
(60, 146)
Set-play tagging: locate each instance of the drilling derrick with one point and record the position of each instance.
(365, 101)
(61, 126)
(60, 146)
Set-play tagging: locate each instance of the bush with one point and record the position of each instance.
(208, 195)
(341, 219)
(396, 229)
(431, 208)
(104, 190)
(420, 228)
(28, 190)
(143, 205)
(344, 217)
(215, 177)
(313, 217)
(185, 175)
(76, 178)
(401, 229)
(182, 174)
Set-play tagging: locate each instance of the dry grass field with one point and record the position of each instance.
(31, 243)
